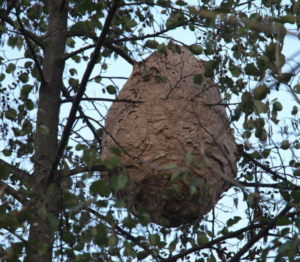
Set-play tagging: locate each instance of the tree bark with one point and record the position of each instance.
(46, 144)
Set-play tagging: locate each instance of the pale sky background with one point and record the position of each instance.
(121, 68)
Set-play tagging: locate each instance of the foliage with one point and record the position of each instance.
(54, 206)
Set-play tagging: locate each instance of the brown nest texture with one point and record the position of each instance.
(178, 150)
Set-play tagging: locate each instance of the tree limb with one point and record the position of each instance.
(81, 90)
(268, 224)
(31, 49)
(29, 34)
(71, 99)
(79, 170)
(12, 192)
(121, 53)
(260, 235)
(267, 169)
(17, 172)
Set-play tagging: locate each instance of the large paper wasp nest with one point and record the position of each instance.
(178, 122)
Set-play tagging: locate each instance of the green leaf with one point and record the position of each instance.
(29, 104)
(266, 153)
(11, 114)
(131, 23)
(297, 89)
(202, 239)
(44, 129)
(161, 48)
(261, 92)
(288, 19)
(283, 221)
(197, 49)
(42, 248)
(26, 89)
(296, 196)
(4, 171)
(195, 182)
(277, 106)
(191, 27)
(117, 151)
(209, 69)
(24, 77)
(198, 79)
(53, 221)
(172, 165)
(152, 44)
(7, 152)
(296, 172)
(154, 239)
(251, 69)
(285, 144)
(2, 77)
(193, 190)
(188, 158)
(118, 182)
(10, 68)
(176, 177)
(28, 64)
(100, 187)
(230, 222)
(259, 107)
(111, 89)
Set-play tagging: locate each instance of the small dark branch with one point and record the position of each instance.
(78, 51)
(17, 236)
(275, 185)
(29, 34)
(263, 232)
(71, 99)
(17, 172)
(126, 39)
(81, 90)
(31, 49)
(233, 235)
(137, 242)
(109, 77)
(125, 234)
(222, 104)
(90, 126)
(267, 169)
(99, 168)
(121, 53)
(12, 192)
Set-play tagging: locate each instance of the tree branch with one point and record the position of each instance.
(29, 34)
(79, 170)
(81, 90)
(17, 172)
(71, 99)
(267, 169)
(121, 53)
(268, 224)
(260, 235)
(274, 185)
(12, 192)
(31, 49)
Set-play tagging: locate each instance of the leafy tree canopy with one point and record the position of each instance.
(54, 205)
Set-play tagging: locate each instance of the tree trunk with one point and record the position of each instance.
(46, 144)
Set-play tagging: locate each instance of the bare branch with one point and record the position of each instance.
(121, 53)
(31, 49)
(27, 33)
(81, 90)
(12, 192)
(71, 99)
(17, 172)
(260, 235)
(99, 168)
